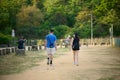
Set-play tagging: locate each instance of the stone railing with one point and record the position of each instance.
(7, 50)
(33, 48)
(95, 41)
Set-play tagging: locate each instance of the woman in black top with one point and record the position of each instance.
(75, 48)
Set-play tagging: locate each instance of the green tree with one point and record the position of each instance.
(107, 14)
(29, 16)
(26, 14)
(61, 31)
(62, 10)
(8, 11)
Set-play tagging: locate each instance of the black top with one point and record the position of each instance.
(75, 44)
(21, 44)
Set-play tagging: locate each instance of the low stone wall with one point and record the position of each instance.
(96, 41)
(20, 51)
(7, 50)
(33, 48)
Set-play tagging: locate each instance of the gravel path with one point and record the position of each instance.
(95, 63)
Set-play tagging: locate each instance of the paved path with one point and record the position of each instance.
(95, 63)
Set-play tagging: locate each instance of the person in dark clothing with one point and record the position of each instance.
(21, 43)
(75, 48)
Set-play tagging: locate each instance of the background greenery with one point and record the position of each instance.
(34, 18)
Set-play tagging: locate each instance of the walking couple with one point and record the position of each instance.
(51, 47)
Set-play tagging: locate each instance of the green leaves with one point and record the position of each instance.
(110, 18)
(5, 39)
(71, 13)
(61, 31)
(29, 16)
(107, 12)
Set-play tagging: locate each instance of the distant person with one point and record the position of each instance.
(21, 43)
(67, 42)
(75, 48)
(50, 46)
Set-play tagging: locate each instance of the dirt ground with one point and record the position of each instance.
(95, 63)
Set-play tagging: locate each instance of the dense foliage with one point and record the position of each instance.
(34, 18)
(5, 39)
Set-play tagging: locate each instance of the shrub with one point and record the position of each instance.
(5, 39)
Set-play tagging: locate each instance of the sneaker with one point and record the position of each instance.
(77, 64)
(51, 62)
(48, 61)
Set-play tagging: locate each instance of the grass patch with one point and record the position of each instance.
(16, 63)
(10, 64)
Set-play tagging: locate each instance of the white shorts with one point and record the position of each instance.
(50, 50)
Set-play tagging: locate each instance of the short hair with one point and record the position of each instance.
(51, 30)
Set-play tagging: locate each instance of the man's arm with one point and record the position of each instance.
(55, 45)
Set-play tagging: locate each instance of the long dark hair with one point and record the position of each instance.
(76, 36)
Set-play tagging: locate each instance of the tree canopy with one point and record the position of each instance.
(65, 16)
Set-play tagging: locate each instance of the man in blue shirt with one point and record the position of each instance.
(50, 46)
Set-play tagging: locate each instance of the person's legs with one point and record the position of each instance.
(74, 57)
(48, 60)
(48, 56)
(52, 51)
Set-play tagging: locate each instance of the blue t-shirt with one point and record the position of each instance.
(50, 38)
